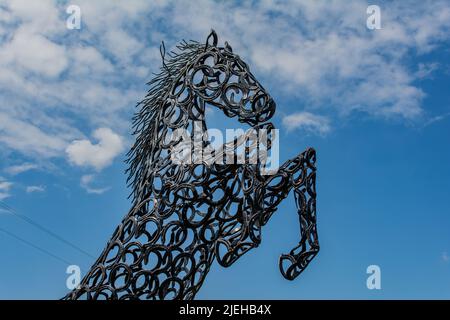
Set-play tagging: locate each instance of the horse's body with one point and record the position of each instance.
(186, 215)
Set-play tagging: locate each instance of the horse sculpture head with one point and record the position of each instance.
(220, 78)
(197, 77)
(185, 215)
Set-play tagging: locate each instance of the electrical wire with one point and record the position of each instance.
(34, 246)
(44, 229)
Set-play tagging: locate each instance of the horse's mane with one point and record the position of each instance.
(146, 120)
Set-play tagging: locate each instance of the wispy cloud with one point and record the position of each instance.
(33, 189)
(86, 183)
(445, 257)
(20, 168)
(28, 138)
(425, 70)
(5, 187)
(436, 119)
(308, 122)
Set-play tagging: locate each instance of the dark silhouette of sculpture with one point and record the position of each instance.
(186, 215)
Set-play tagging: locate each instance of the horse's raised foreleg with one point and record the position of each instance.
(298, 174)
(254, 203)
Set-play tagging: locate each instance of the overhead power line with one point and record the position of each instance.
(34, 246)
(44, 229)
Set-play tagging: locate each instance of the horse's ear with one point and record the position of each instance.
(212, 39)
(228, 47)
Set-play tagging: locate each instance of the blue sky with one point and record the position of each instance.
(374, 104)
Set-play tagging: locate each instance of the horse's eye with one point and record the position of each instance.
(259, 102)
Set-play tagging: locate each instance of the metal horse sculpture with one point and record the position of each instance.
(186, 215)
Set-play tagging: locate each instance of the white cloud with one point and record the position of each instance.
(100, 155)
(321, 51)
(39, 16)
(5, 187)
(28, 138)
(122, 45)
(32, 189)
(34, 53)
(52, 79)
(308, 122)
(445, 257)
(20, 168)
(55, 81)
(86, 182)
(88, 60)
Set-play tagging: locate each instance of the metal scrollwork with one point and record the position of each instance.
(184, 216)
